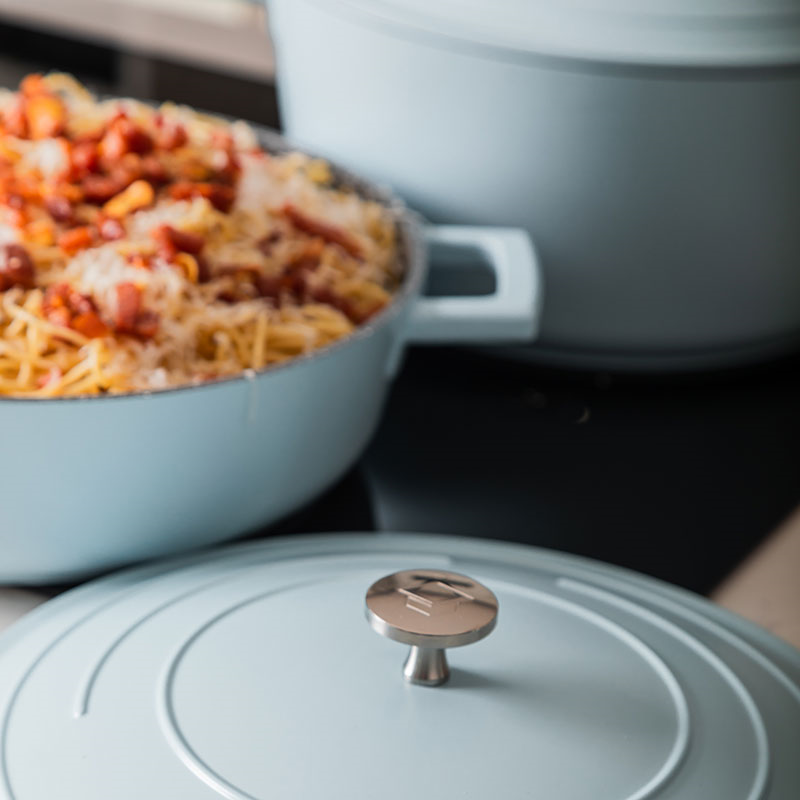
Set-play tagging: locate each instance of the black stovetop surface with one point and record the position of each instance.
(679, 477)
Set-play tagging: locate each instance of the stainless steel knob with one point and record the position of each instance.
(430, 610)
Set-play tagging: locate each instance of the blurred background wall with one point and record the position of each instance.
(214, 54)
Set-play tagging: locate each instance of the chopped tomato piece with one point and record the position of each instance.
(184, 190)
(171, 241)
(295, 280)
(56, 297)
(99, 189)
(16, 267)
(124, 136)
(89, 324)
(277, 287)
(65, 306)
(112, 146)
(130, 318)
(293, 284)
(29, 187)
(59, 207)
(308, 257)
(84, 157)
(219, 195)
(139, 141)
(170, 134)
(76, 239)
(127, 170)
(62, 295)
(147, 324)
(316, 227)
(222, 197)
(153, 170)
(140, 261)
(226, 166)
(129, 299)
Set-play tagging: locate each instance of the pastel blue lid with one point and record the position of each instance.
(250, 672)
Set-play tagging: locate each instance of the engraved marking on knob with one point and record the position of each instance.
(415, 598)
(433, 604)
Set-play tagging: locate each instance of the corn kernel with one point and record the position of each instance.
(138, 195)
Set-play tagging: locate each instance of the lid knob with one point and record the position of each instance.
(430, 610)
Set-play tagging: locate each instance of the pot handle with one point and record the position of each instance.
(510, 314)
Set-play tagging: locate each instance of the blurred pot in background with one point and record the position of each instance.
(652, 152)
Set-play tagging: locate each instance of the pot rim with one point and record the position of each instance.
(412, 254)
(735, 48)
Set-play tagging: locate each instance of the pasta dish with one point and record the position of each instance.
(144, 248)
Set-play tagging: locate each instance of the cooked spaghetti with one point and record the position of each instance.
(145, 248)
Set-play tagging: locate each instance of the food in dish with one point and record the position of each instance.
(145, 248)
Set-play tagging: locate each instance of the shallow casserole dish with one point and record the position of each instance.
(94, 482)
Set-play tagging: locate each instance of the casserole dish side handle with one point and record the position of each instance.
(510, 314)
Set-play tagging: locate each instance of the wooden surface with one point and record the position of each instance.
(14, 603)
(766, 587)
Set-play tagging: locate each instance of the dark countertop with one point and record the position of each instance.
(679, 477)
